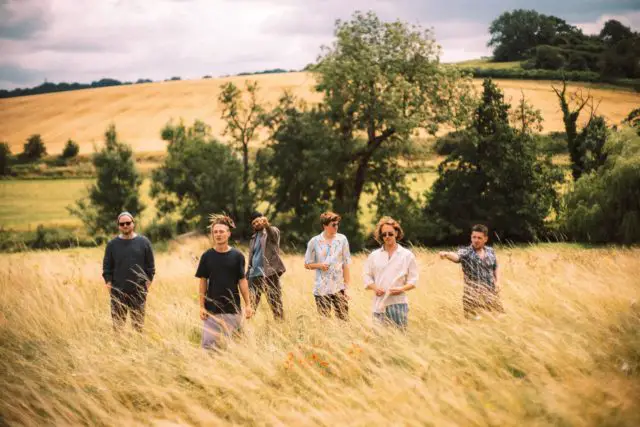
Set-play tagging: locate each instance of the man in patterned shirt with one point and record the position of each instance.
(480, 269)
(328, 254)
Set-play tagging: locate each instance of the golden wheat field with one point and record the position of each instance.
(566, 353)
(140, 111)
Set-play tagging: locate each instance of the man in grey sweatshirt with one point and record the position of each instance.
(128, 268)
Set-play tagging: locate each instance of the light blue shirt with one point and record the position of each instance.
(256, 263)
(336, 254)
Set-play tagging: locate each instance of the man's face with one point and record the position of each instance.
(126, 225)
(220, 234)
(332, 228)
(388, 234)
(478, 239)
(258, 223)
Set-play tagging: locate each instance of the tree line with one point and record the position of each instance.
(549, 43)
(382, 84)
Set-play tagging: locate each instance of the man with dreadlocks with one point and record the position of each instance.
(222, 280)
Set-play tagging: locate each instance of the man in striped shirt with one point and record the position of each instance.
(390, 272)
(481, 274)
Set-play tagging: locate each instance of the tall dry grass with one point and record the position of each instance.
(566, 353)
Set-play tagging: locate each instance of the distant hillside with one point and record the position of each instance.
(140, 111)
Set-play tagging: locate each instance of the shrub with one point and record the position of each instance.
(446, 144)
(552, 143)
(34, 148)
(604, 206)
(549, 58)
(71, 149)
(5, 159)
(161, 230)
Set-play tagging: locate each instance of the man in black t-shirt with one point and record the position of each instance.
(222, 280)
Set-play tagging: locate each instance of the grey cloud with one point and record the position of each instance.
(20, 20)
(17, 75)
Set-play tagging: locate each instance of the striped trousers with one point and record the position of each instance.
(395, 315)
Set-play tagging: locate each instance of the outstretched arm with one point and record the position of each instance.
(451, 256)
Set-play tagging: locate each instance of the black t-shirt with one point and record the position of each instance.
(223, 271)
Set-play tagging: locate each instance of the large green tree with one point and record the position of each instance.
(515, 33)
(494, 176)
(199, 176)
(382, 83)
(117, 187)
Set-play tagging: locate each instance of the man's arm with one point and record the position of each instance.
(451, 256)
(496, 279)
(244, 291)
(309, 256)
(108, 266)
(201, 297)
(251, 245)
(369, 280)
(149, 263)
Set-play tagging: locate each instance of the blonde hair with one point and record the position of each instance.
(215, 219)
(387, 220)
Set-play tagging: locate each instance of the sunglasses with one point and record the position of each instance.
(388, 234)
(334, 224)
(122, 224)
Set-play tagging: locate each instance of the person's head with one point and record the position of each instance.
(330, 222)
(479, 236)
(125, 223)
(388, 231)
(256, 221)
(221, 226)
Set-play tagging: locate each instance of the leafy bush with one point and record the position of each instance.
(199, 176)
(5, 159)
(161, 230)
(552, 143)
(533, 74)
(34, 148)
(71, 150)
(45, 238)
(446, 144)
(604, 206)
(549, 58)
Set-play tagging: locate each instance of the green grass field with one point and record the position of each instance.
(24, 204)
(486, 64)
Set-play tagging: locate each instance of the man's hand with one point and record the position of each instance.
(324, 266)
(396, 291)
(497, 287)
(148, 284)
(203, 313)
(346, 293)
(442, 254)
(264, 221)
(108, 285)
(248, 312)
(378, 291)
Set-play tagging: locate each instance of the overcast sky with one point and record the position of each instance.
(82, 41)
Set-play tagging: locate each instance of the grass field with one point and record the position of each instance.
(567, 352)
(140, 111)
(24, 204)
(487, 64)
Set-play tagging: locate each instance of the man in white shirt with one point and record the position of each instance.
(390, 272)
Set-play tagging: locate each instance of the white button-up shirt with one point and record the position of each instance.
(386, 273)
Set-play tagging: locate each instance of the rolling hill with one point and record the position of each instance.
(140, 111)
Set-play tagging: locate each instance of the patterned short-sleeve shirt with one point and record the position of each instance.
(336, 254)
(477, 270)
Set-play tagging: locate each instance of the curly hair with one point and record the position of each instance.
(328, 217)
(387, 220)
(215, 219)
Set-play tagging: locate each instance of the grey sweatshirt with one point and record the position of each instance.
(128, 262)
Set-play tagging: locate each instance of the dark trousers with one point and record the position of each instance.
(128, 302)
(339, 303)
(269, 285)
